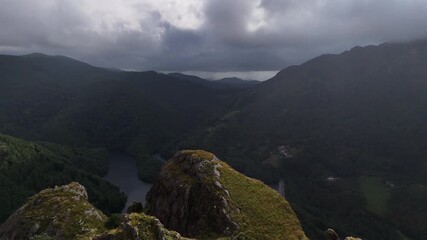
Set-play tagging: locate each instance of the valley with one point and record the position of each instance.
(213, 120)
(343, 115)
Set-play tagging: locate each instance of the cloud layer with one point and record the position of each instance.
(204, 35)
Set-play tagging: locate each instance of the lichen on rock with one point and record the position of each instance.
(136, 226)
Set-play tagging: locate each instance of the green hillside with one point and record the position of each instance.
(359, 113)
(58, 99)
(28, 167)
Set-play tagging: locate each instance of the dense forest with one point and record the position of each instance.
(27, 167)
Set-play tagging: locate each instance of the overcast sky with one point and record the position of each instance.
(249, 38)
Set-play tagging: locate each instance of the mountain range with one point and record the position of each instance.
(345, 132)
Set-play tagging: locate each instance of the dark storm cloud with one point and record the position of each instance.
(208, 35)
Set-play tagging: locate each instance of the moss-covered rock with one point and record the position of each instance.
(61, 212)
(137, 226)
(200, 196)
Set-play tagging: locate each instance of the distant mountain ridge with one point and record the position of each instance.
(232, 82)
(237, 81)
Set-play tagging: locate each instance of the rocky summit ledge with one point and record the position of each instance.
(202, 197)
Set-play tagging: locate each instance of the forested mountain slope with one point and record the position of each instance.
(358, 117)
(54, 98)
(28, 167)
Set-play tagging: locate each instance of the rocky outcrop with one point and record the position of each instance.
(188, 197)
(200, 196)
(136, 226)
(61, 212)
(64, 213)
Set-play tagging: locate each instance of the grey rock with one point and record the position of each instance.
(197, 207)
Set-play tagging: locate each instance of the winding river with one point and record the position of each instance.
(123, 173)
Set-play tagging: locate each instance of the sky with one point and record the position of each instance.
(252, 39)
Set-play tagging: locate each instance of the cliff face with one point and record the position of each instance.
(189, 198)
(200, 196)
(60, 212)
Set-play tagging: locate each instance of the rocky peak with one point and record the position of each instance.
(75, 188)
(200, 196)
(189, 198)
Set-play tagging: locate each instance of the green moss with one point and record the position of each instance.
(149, 228)
(146, 227)
(178, 174)
(264, 214)
(42, 237)
(200, 154)
(62, 211)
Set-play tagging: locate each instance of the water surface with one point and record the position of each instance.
(123, 173)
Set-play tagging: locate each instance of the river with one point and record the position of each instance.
(123, 173)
